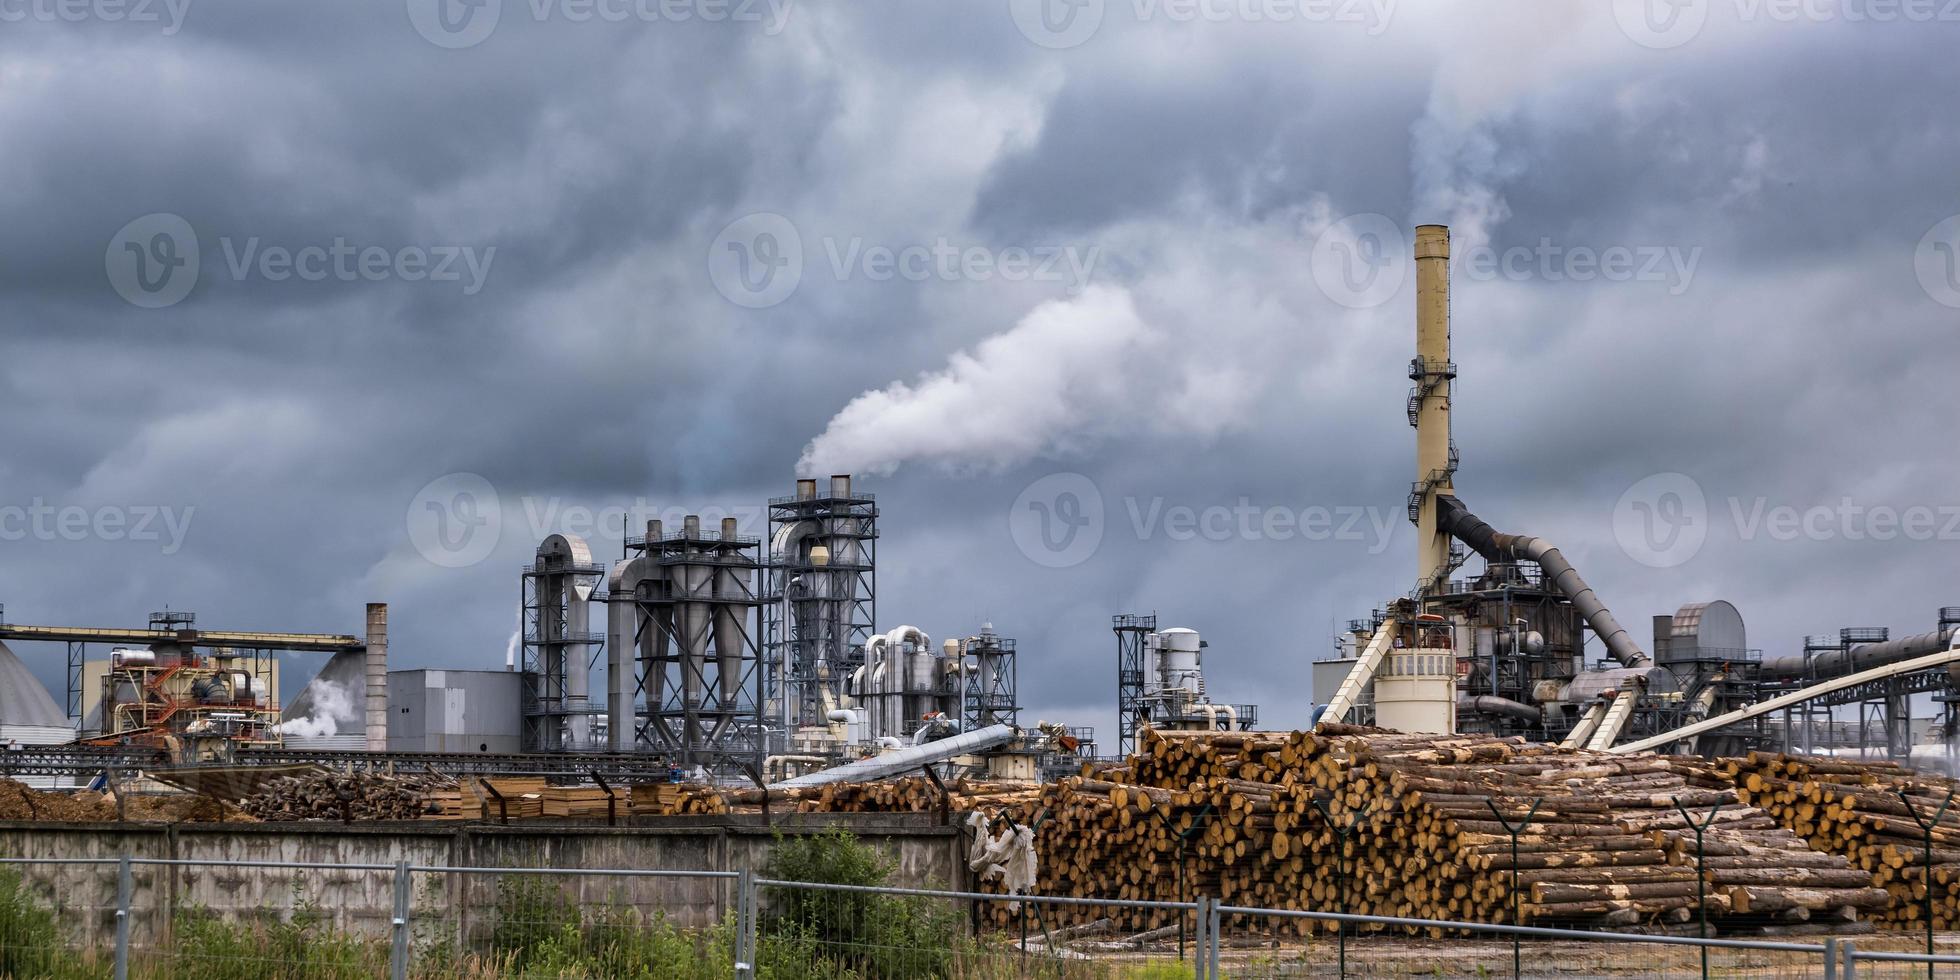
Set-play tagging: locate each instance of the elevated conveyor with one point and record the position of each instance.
(1951, 655)
(1360, 674)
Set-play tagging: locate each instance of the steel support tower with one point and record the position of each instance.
(820, 599)
(700, 673)
(559, 645)
(990, 683)
(1131, 709)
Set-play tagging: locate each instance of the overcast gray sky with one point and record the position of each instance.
(1083, 261)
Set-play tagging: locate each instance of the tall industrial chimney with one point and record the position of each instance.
(377, 677)
(1432, 373)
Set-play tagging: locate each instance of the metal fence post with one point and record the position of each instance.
(1517, 940)
(1830, 958)
(745, 915)
(1214, 928)
(125, 894)
(1200, 942)
(1701, 872)
(398, 959)
(1850, 949)
(1926, 869)
(1341, 835)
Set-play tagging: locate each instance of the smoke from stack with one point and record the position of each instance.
(332, 707)
(1066, 375)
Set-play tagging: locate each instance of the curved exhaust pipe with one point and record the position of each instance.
(1496, 546)
(1491, 704)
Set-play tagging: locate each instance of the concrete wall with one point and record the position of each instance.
(445, 906)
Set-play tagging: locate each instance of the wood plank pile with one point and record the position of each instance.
(345, 796)
(585, 802)
(1852, 809)
(1233, 816)
(469, 799)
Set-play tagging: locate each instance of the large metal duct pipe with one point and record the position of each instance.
(697, 586)
(629, 650)
(904, 760)
(1433, 392)
(1496, 546)
(376, 676)
(1491, 704)
(1863, 656)
(732, 587)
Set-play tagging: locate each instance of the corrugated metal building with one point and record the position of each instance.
(455, 711)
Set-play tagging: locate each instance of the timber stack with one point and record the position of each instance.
(1417, 826)
(1864, 812)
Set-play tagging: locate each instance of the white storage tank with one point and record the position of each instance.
(1180, 660)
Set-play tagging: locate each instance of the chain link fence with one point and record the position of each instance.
(124, 918)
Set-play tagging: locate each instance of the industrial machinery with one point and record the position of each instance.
(559, 645)
(819, 600)
(1503, 650)
(197, 705)
(1160, 683)
(681, 644)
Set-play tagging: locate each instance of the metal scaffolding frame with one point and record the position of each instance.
(700, 669)
(991, 697)
(819, 608)
(1131, 710)
(559, 645)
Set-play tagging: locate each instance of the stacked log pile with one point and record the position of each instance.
(1854, 810)
(676, 799)
(1238, 816)
(326, 795)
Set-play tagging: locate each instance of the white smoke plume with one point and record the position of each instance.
(333, 706)
(1029, 390)
(1459, 166)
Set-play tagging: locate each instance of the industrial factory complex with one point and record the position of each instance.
(741, 658)
(744, 672)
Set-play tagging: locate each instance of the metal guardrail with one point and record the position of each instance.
(1205, 955)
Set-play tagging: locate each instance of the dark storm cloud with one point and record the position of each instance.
(599, 365)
